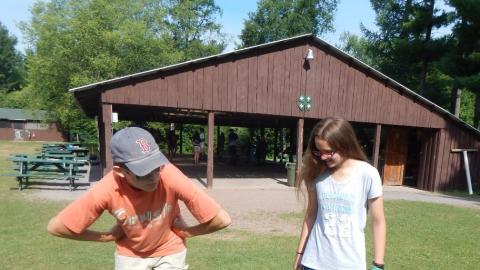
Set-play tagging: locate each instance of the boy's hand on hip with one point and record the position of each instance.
(116, 233)
(179, 227)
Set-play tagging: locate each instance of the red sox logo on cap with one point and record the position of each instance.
(143, 143)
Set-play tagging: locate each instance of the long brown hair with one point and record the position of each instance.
(340, 136)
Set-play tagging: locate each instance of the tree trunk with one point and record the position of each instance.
(455, 102)
(406, 14)
(428, 36)
(476, 118)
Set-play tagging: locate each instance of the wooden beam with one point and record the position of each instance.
(275, 145)
(376, 147)
(211, 135)
(464, 150)
(181, 139)
(300, 124)
(466, 166)
(106, 124)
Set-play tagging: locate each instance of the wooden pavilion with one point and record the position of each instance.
(264, 85)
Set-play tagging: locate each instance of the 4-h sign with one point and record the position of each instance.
(304, 103)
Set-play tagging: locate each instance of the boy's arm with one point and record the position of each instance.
(57, 228)
(218, 222)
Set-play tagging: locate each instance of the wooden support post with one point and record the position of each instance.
(211, 135)
(467, 166)
(376, 147)
(275, 146)
(106, 137)
(181, 139)
(299, 145)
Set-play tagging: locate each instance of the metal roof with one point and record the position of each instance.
(323, 44)
(22, 115)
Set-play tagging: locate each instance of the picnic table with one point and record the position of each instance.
(46, 168)
(76, 151)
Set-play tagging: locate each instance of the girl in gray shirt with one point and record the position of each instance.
(341, 187)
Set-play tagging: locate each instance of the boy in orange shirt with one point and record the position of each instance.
(142, 193)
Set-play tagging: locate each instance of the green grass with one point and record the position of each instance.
(464, 193)
(420, 236)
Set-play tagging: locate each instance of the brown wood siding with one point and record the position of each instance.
(440, 174)
(446, 168)
(317, 79)
(429, 160)
(350, 93)
(278, 68)
(296, 71)
(421, 166)
(216, 89)
(449, 168)
(6, 134)
(334, 81)
(285, 106)
(262, 83)
(252, 84)
(269, 99)
(271, 82)
(242, 85)
(292, 81)
(378, 95)
(173, 87)
(223, 86)
(342, 73)
(456, 159)
(370, 104)
(183, 98)
(433, 166)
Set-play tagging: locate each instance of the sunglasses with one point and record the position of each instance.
(323, 154)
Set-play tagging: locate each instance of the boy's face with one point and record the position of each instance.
(148, 183)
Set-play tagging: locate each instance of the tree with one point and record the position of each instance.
(77, 42)
(279, 19)
(193, 26)
(462, 62)
(357, 47)
(11, 62)
(404, 47)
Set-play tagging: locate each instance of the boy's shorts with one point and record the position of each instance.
(170, 262)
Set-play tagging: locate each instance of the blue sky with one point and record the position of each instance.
(350, 14)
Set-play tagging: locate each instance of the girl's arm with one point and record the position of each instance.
(379, 228)
(308, 221)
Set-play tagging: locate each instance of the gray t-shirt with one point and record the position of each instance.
(337, 239)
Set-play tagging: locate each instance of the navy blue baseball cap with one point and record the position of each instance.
(137, 150)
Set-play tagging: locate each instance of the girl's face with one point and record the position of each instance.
(324, 152)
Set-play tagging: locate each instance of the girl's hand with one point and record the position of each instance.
(296, 264)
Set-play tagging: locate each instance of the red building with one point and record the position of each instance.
(24, 125)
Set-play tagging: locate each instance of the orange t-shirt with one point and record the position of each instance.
(145, 217)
